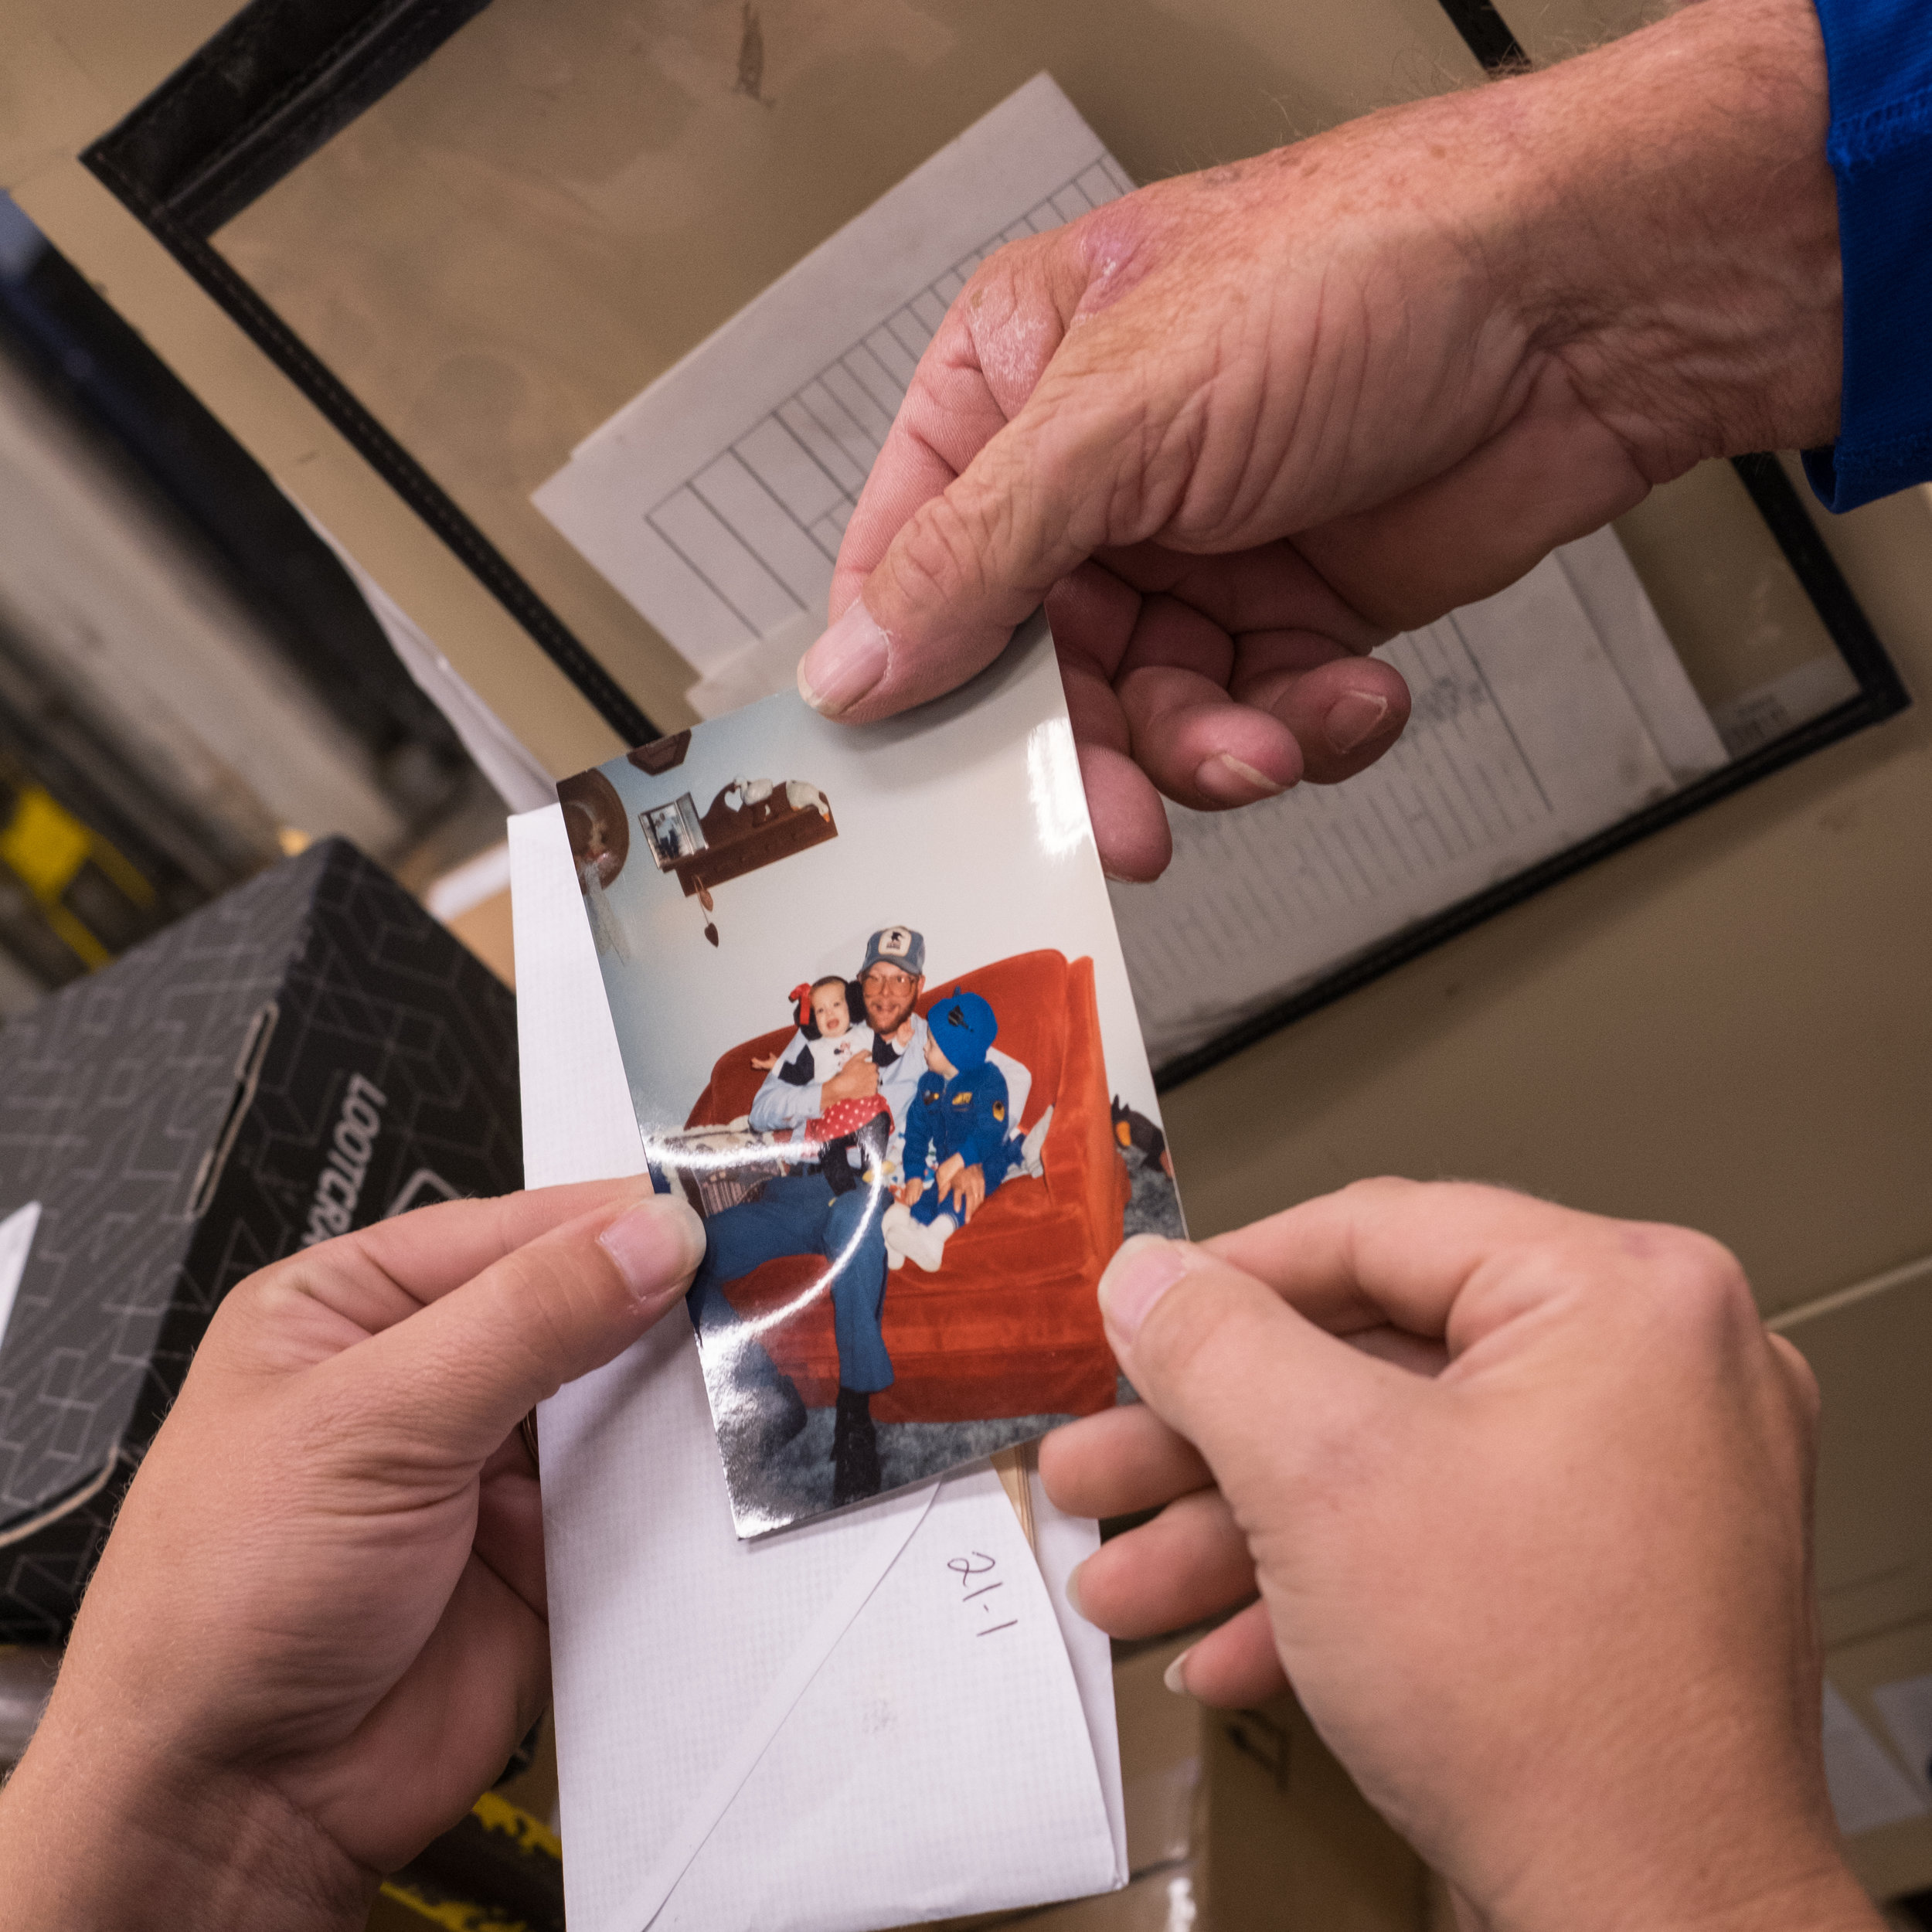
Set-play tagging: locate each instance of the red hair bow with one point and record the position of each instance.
(800, 999)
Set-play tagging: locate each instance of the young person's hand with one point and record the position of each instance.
(962, 1187)
(1238, 427)
(1551, 1602)
(908, 1195)
(317, 1629)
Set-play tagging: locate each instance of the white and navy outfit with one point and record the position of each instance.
(811, 1060)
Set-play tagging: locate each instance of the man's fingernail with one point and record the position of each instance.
(1353, 719)
(1175, 1676)
(1142, 1270)
(657, 1247)
(845, 664)
(1229, 780)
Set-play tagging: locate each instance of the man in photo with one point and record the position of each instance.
(801, 1214)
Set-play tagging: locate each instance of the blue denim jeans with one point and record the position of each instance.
(799, 1214)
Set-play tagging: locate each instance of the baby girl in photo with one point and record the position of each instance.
(854, 1132)
(823, 1012)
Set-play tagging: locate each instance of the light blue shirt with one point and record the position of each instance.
(780, 1103)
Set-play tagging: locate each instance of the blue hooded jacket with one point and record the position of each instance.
(967, 1115)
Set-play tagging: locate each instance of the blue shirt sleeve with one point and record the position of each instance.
(1879, 55)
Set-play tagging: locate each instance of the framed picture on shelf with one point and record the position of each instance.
(672, 830)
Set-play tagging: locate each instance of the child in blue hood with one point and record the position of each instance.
(958, 1119)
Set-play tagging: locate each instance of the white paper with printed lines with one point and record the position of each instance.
(715, 500)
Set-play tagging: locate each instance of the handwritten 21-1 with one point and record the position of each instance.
(974, 1573)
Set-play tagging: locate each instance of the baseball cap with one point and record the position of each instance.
(897, 946)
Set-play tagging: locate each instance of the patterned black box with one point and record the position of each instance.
(311, 1053)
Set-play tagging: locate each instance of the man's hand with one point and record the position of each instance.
(853, 1081)
(1549, 1599)
(962, 1187)
(317, 1629)
(1238, 427)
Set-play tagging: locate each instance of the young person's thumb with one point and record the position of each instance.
(470, 1364)
(1220, 1357)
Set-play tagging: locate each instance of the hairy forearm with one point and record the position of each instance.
(1679, 230)
(1571, 286)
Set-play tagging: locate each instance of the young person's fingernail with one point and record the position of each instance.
(1175, 1676)
(1141, 1271)
(1353, 719)
(1229, 780)
(656, 1245)
(1073, 1589)
(845, 664)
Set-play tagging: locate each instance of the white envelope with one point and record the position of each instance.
(887, 1716)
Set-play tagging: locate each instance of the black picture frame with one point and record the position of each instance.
(1881, 694)
(284, 76)
(242, 112)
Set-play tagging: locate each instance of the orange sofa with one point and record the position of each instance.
(1009, 1325)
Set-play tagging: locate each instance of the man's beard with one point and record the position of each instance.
(886, 1018)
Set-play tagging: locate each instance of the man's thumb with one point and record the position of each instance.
(468, 1366)
(965, 568)
(1221, 1357)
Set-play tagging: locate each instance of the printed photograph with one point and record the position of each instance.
(878, 1032)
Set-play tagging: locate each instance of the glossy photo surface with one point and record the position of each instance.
(878, 1032)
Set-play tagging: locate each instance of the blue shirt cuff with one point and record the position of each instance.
(1878, 53)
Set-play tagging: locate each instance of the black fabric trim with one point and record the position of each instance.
(799, 1071)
